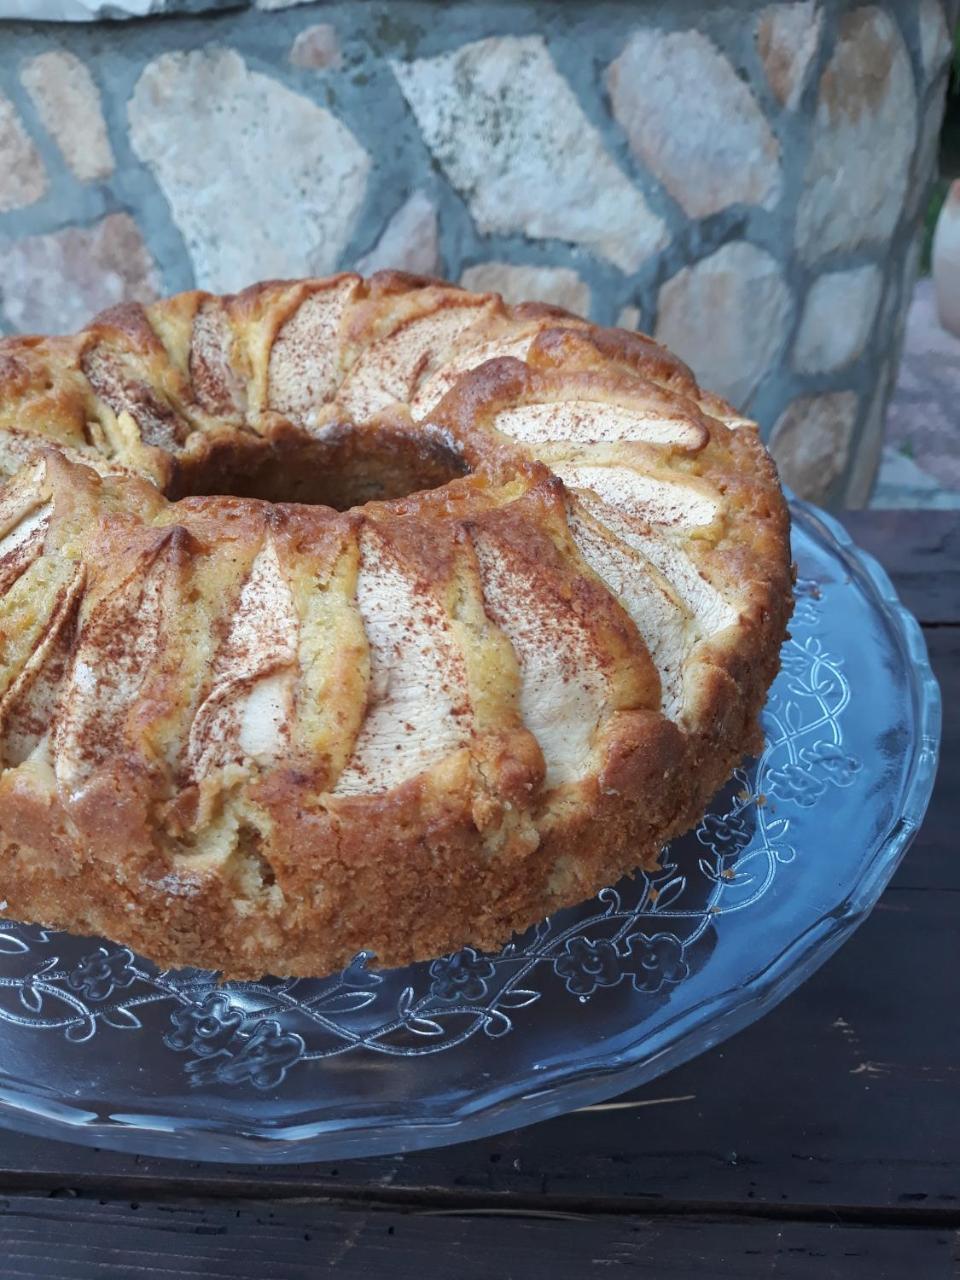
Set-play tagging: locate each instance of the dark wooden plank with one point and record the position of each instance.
(80, 1239)
(920, 551)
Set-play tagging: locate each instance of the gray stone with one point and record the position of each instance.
(535, 122)
(68, 102)
(935, 43)
(866, 458)
(900, 283)
(924, 167)
(409, 242)
(55, 283)
(911, 270)
(727, 317)
(788, 36)
(557, 285)
(693, 122)
(23, 179)
(901, 483)
(105, 10)
(261, 181)
(922, 420)
(509, 133)
(317, 48)
(838, 317)
(908, 287)
(864, 136)
(811, 442)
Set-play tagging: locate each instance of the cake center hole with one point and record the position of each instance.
(346, 467)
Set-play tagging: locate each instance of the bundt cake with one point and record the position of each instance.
(348, 614)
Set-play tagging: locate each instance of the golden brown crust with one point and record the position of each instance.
(255, 735)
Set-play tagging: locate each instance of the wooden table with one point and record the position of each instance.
(823, 1141)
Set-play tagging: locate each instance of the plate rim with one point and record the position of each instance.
(485, 1114)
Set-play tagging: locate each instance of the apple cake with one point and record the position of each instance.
(347, 614)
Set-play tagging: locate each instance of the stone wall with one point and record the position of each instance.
(743, 180)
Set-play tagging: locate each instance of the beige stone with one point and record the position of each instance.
(410, 240)
(837, 320)
(23, 179)
(510, 135)
(692, 122)
(935, 43)
(68, 102)
(317, 48)
(629, 317)
(811, 442)
(557, 285)
(727, 316)
(864, 135)
(55, 283)
(788, 36)
(261, 181)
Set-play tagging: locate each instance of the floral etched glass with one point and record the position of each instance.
(99, 1047)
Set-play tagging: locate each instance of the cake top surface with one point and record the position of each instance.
(365, 552)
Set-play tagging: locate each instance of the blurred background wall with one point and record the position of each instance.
(746, 181)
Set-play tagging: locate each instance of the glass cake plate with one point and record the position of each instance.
(99, 1047)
